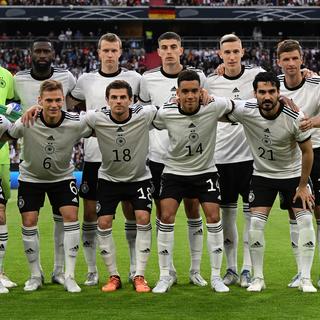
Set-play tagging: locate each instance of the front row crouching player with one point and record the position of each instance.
(190, 172)
(275, 139)
(123, 138)
(47, 169)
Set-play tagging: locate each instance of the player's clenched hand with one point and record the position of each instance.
(306, 197)
(29, 117)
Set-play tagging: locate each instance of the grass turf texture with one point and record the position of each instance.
(184, 301)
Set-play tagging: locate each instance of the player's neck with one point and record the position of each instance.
(120, 117)
(109, 69)
(52, 120)
(172, 68)
(41, 74)
(293, 81)
(233, 72)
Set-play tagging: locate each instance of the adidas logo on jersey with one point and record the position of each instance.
(309, 244)
(191, 125)
(29, 251)
(217, 251)
(164, 252)
(51, 138)
(266, 130)
(145, 250)
(120, 129)
(173, 89)
(235, 90)
(256, 245)
(104, 252)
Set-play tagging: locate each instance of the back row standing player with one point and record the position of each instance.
(27, 86)
(157, 87)
(90, 88)
(305, 92)
(232, 154)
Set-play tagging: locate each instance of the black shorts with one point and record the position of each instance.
(31, 195)
(109, 195)
(234, 179)
(263, 191)
(156, 169)
(88, 187)
(2, 196)
(204, 187)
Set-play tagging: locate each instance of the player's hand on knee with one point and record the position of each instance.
(307, 198)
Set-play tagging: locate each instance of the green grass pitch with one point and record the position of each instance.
(183, 301)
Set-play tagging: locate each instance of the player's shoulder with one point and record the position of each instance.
(248, 105)
(281, 77)
(313, 81)
(61, 70)
(290, 113)
(170, 106)
(197, 70)
(72, 116)
(252, 69)
(138, 108)
(23, 73)
(128, 72)
(151, 72)
(5, 72)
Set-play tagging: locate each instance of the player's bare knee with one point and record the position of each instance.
(143, 219)
(2, 214)
(29, 220)
(105, 222)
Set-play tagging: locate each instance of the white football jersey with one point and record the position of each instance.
(48, 149)
(27, 86)
(91, 87)
(273, 143)
(307, 97)
(158, 87)
(231, 144)
(124, 145)
(191, 136)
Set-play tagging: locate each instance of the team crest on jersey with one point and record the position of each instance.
(2, 83)
(84, 187)
(98, 207)
(49, 149)
(20, 202)
(121, 141)
(266, 140)
(251, 196)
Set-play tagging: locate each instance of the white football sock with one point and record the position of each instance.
(71, 246)
(215, 247)
(89, 242)
(246, 252)
(108, 250)
(143, 247)
(130, 228)
(58, 244)
(195, 234)
(257, 242)
(294, 237)
(3, 243)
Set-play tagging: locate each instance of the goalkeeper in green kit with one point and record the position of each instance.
(6, 95)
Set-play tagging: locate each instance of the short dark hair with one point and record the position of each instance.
(288, 45)
(41, 39)
(266, 77)
(169, 36)
(110, 37)
(119, 84)
(229, 38)
(188, 75)
(50, 85)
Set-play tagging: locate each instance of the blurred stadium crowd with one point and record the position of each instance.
(166, 2)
